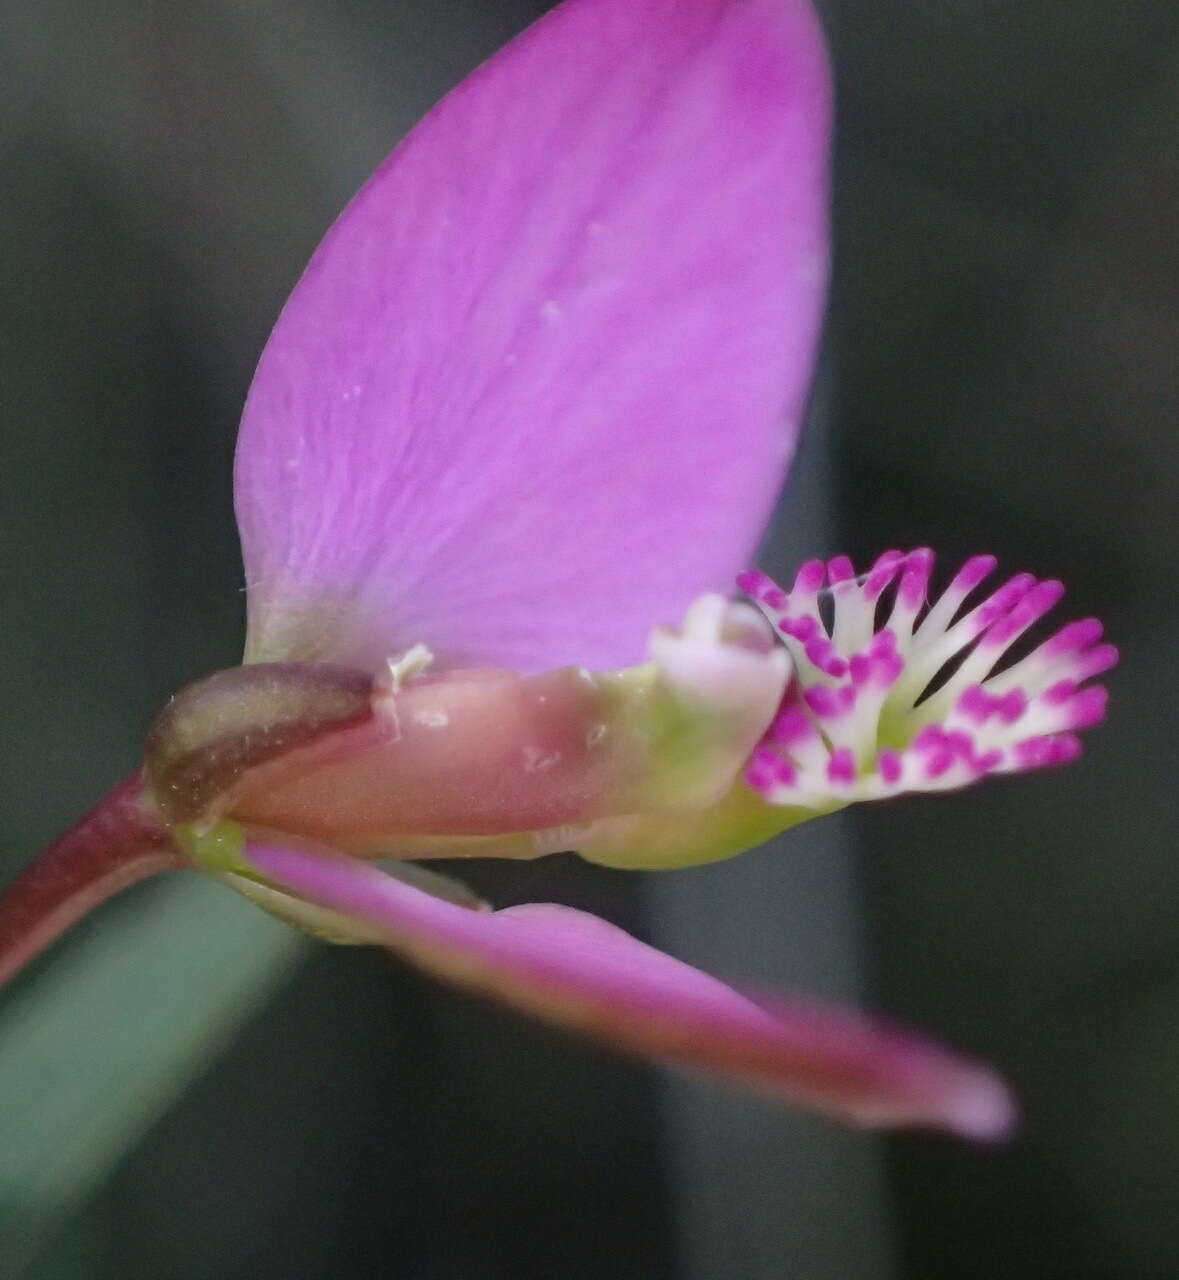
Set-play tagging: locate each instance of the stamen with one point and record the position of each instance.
(918, 705)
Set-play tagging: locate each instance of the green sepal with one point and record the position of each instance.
(671, 839)
(217, 849)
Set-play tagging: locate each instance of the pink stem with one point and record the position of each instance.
(117, 844)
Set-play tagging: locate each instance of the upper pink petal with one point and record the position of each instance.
(539, 385)
(581, 972)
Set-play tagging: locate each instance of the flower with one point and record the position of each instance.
(888, 693)
(924, 702)
(537, 390)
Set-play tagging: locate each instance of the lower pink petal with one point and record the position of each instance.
(580, 972)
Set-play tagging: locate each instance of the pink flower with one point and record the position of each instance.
(536, 391)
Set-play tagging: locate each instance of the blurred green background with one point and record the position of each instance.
(189, 1091)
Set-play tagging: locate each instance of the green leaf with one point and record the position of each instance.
(97, 1046)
